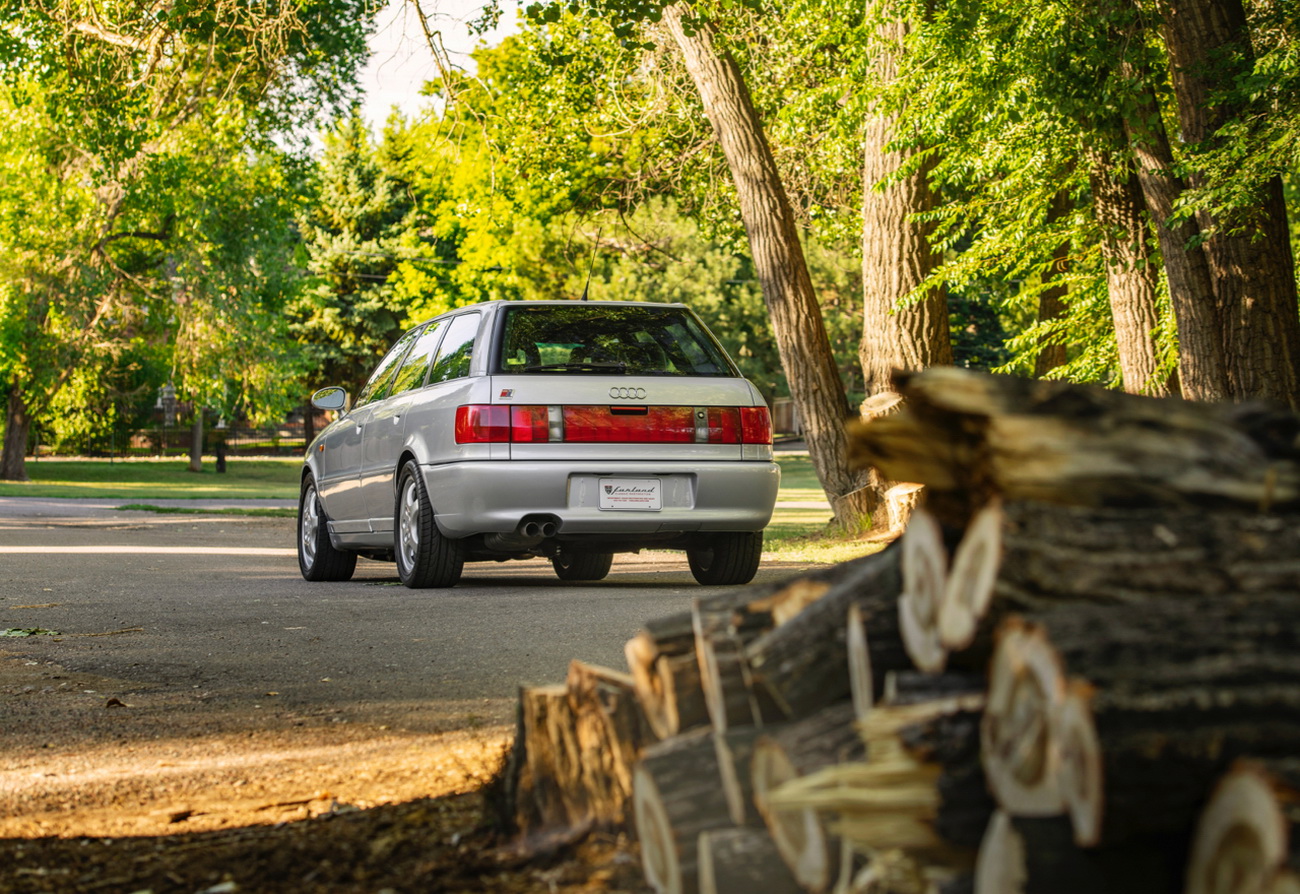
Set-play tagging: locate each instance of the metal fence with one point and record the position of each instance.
(288, 439)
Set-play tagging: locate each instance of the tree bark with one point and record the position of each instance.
(1132, 278)
(744, 859)
(968, 436)
(1250, 251)
(13, 462)
(196, 440)
(1051, 300)
(797, 323)
(1201, 372)
(896, 252)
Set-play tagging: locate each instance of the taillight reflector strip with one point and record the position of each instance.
(532, 424)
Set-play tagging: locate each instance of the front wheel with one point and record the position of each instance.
(730, 558)
(317, 558)
(582, 566)
(425, 558)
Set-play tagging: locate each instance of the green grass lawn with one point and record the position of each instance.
(795, 534)
(140, 480)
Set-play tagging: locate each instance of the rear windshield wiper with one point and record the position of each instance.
(599, 366)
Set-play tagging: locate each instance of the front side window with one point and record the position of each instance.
(377, 387)
(593, 338)
(456, 350)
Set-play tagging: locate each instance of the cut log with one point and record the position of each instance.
(549, 793)
(803, 665)
(1176, 690)
(1243, 840)
(788, 752)
(676, 795)
(1026, 689)
(968, 588)
(609, 731)
(924, 569)
(895, 800)
(968, 436)
(725, 677)
(662, 657)
(745, 860)
(1038, 855)
(858, 652)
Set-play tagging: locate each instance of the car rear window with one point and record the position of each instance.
(599, 339)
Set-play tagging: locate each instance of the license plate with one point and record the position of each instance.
(631, 493)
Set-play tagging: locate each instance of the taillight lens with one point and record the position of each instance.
(657, 425)
(502, 424)
(755, 425)
(724, 425)
(482, 424)
(529, 424)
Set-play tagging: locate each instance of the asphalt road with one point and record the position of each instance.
(213, 608)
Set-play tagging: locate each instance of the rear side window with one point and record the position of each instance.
(377, 387)
(413, 370)
(587, 338)
(456, 350)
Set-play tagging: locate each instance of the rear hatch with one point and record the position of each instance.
(615, 381)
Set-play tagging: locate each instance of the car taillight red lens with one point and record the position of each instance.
(724, 425)
(755, 425)
(602, 425)
(482, 424)
(529, 424)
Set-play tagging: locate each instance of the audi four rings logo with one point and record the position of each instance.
(627, 393)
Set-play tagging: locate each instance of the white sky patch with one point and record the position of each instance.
(401, 61)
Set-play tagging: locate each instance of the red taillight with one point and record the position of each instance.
(755, 425)
(502, 424)
(602, 425)
(724, 425)
(482, 424)
(529, 424)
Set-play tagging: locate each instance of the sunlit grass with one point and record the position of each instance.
(145, 479)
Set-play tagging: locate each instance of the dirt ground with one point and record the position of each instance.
(155, 792)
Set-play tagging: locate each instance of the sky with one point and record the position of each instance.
(401, 62)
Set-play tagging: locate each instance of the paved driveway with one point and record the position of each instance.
(208, 612)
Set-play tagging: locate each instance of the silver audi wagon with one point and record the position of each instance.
(572, 430)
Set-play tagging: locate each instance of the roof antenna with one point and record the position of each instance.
(591, 264)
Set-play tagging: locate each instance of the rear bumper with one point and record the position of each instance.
(485, 497)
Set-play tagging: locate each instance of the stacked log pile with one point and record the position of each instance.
(1077, 670)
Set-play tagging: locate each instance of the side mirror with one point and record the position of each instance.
(331, 398)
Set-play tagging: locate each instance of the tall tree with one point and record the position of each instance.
(905, 314)
(797, 324)
(1249, 250)
(114, 88)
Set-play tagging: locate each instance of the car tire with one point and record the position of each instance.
(425, 558)
(723, 559)
(582, 566)
(317, 558)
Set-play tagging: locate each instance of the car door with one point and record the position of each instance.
(385, 429)
(342, 459)
(431, 416)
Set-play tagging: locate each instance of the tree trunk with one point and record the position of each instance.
(1249, 251)
(797, 323)
(896, 252)
(13, 463)
(1132, 278)
(1051, 300)
(1201, 372)
(196, 440)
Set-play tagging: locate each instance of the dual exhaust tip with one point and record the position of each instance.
(538, 529)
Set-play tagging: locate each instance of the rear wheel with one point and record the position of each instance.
(425, 558)
(729, 558)
(582, 566)
(317, 558)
